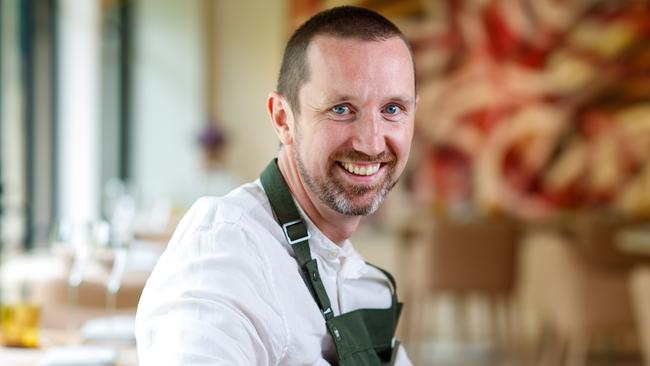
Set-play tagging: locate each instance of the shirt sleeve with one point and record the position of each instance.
(401, 358)
(209, 302)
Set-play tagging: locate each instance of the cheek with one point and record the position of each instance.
(317, 147)
(329, 140)
(399, 141)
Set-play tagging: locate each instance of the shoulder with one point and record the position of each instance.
(244, 212)
(213, 278)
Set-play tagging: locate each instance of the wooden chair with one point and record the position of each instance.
(466, 258)
(579, 283)
(640, 289)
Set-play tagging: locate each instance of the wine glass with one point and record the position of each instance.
(80, 239)
(121, 238)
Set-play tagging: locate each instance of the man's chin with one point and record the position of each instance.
(353, 205)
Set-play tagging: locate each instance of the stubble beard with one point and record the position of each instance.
(341, 197)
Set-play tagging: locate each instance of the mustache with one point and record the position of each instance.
(358, 156)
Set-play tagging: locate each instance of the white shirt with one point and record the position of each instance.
(228, 290)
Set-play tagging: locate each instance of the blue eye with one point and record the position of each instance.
(340, 109)
(392, 109)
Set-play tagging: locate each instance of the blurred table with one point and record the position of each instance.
(634, 240)
(10, 356)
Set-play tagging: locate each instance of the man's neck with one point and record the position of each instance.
(336, 226)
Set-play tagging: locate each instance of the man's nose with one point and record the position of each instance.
(369, 136)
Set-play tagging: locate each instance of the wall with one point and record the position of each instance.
(78, 121)
(250, 46)
(168, 92)
(11, 131)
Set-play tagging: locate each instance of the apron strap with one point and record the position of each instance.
(391, 279)
(295, 231)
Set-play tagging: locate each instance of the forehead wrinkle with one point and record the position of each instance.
(337, 79)
(358, 90)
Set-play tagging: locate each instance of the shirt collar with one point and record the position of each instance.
(320, 243)
(352, 264)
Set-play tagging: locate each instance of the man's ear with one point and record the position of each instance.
(281, 116)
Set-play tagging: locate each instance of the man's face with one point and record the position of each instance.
(354, 129)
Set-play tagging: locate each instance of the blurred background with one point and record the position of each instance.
(519, 233)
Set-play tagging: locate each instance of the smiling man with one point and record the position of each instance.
(267, 275)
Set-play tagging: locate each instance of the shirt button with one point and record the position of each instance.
(333, 255)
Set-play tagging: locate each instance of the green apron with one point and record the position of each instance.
(361, 337)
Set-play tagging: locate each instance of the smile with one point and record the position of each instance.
(360, 169)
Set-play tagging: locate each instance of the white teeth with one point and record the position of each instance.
(361, 169)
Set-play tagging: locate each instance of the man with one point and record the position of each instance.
(267, 275)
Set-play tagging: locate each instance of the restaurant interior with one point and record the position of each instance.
(519, 233)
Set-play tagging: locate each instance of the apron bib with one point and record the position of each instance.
(361, 337)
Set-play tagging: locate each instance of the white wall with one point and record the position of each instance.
(250, 45)
(79, 127)
(168, 96)
(12, 132)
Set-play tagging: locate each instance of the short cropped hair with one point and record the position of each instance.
(340, 22)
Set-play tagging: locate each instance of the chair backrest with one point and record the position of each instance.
(473, 256)
(597, 237)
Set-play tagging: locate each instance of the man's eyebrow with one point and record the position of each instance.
(336, 99)
(344, 98)
(402, 99)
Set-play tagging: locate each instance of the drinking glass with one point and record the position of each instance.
(121, 237)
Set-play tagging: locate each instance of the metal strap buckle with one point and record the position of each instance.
(285, 227)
